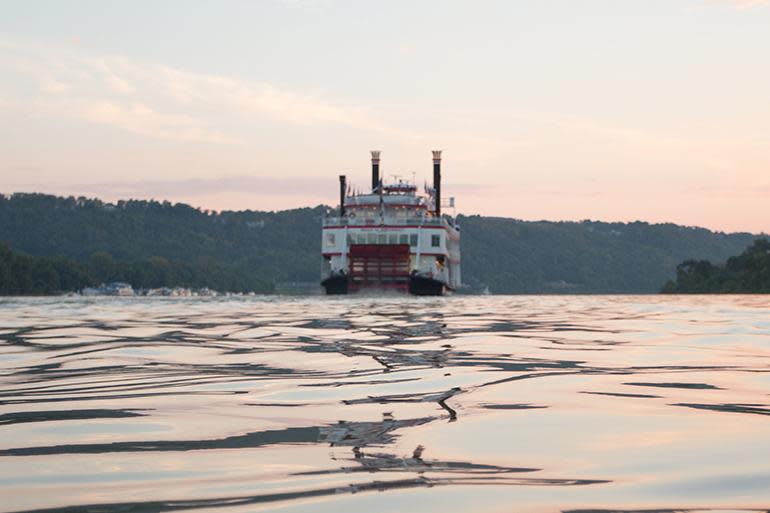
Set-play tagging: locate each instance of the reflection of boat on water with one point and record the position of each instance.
(391, 238)
(361, 434)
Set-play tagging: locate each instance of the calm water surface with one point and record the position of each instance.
(385, 404)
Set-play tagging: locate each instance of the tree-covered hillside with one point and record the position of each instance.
(22, 275)
(747, 273)
(29, 275)
(583, 257)
(266, 246)
(505, 255)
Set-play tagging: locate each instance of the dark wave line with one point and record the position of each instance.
(118, 396)
(755, 409)
(54, 415)
(161, 506)
(249, 440)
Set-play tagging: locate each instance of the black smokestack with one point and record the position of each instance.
(375, 170)
(437, 180)
(343, 188)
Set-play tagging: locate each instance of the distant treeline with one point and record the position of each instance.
(175, 243)
(160, 243)
(747, 273)
(35, 275)
(27, 275)
(535, 257)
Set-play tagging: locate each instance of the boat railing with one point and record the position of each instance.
(388, 221)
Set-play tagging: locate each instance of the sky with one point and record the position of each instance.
(613, 110)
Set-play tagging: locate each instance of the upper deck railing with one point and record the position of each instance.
(388, 221)
(387, 199)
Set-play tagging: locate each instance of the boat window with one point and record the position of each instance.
(393, 238)
(361, 238)
(371, 238)
(413, 239)
(330, 239)
(435, 241)
(403, 238)
(383, 239)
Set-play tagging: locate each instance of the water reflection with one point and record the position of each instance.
(603, 400)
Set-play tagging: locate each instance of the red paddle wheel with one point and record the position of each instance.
(379, 266)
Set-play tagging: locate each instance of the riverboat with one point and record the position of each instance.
(391, 238)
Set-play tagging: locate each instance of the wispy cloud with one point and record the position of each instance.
(141, 119)
(163, 102)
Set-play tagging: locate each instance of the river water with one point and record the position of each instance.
(458, 404)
